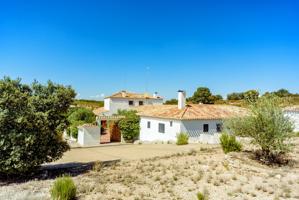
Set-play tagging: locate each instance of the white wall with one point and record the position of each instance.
(116, 104)
(194, 128)
(152, 133)
(107, 103)
(88, 138)
(294, 116)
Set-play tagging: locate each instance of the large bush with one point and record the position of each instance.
(229, 143)
(182, 139)
(267, 126)
(63, 189)
(129, 126)
(77, 117)
(32, 119)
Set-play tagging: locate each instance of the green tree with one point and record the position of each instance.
(171, 102)
(79, 116)
(32, 119)
(129, 126)
(251, 95)
(267, 126)
(235, 96)
(218, 97)
(282, 93)
(203, 95)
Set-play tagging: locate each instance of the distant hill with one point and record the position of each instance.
(289, 101)
(92, 104)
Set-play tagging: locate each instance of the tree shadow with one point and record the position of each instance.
(51, 171)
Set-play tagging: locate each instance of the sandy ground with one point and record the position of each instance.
(124, 152)
(178, 176)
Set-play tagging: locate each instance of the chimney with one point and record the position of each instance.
(123, 93)
(155, 95)
(181, 99)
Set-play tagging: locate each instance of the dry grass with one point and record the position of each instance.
(179, 176)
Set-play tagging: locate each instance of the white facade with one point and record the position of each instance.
(152, 133)
(194, 128)
(294, 117)
(115, 104)
(89, 136)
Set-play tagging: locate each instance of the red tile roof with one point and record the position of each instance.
(131, 95)
(192, 111)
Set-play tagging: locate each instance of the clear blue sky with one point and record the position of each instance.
(100, 47)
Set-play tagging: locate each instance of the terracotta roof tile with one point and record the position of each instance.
(131, 95)
(192, 111)
(99, 111)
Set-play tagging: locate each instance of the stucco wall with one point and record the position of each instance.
(107, 104)
(194, 128)
(294, 116)
(123, 104)
(86, 138)
(152, 133)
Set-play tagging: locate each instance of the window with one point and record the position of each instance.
(170, 123)
(131, 103)
(219, 127)
(161, 128)
(206, 128)
(148, 124)
(140, 103)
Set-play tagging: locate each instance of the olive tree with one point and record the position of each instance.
(32, 119)
(267, 126)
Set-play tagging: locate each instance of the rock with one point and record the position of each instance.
(278, 176)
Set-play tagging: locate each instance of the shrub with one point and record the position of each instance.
(77, 117)
(267, 126)
(32, 121)
(203, 195)
(63, 189)
(129, 126)
(182, 139)
(229, 143)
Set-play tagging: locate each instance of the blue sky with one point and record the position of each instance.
(100, 47)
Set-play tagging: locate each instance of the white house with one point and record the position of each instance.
(201, 122)
(106, 130)
(124, 100)
(293, 114)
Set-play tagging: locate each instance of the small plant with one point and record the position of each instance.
(63, 189)
(203, 195)
(97, 166)
(229, 143)
(182, 139)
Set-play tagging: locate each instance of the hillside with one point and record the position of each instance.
(92, 104)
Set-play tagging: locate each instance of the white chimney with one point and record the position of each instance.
(155, 95)
(123, 93)
(181, 99)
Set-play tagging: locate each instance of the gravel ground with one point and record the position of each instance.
(178, 176)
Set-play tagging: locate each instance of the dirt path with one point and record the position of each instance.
(124, 152)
